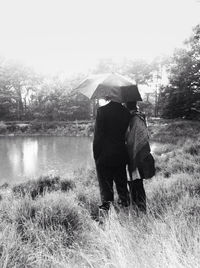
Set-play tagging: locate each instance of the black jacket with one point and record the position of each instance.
(109, 148)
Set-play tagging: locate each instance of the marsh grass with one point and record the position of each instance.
(56, 228)
(35, 188)
(174, 131)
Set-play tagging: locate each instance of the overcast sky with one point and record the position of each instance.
(71, 35)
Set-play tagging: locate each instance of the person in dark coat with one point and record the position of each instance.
(110, 152)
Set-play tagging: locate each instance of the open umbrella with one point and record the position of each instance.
(113, 86)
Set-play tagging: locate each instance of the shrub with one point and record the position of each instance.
(23, 127)
(55, 213)
(35, 126)
(193, 149)
(12, 127)
(35, 188)
(50, 125)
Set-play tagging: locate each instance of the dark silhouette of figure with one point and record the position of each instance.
(110, 152)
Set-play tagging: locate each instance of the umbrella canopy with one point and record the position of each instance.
(130, 93)
(113, 86)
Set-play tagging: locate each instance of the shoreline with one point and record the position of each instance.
(46, 128)
(44, 135)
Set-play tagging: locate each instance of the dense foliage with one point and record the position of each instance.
(181, 98)
(26, 95)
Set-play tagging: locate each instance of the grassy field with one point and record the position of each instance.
(53, 222)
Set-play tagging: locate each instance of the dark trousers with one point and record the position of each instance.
(137, 194)
(106, 177)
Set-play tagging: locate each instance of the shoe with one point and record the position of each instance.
(103, 212)
(123, 204)
(105, 206)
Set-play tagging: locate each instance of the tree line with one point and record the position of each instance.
(27, 95)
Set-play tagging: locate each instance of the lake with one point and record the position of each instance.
(23, 158)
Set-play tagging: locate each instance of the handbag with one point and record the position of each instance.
(146, 167)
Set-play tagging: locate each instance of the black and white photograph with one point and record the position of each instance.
(99, 133)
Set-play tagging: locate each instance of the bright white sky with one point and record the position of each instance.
(71, 35)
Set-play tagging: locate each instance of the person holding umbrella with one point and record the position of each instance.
(110, 152)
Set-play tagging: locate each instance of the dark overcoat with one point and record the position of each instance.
(109, 148)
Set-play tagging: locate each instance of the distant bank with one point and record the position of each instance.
(48, 128)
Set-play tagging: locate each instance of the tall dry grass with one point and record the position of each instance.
(59, 228)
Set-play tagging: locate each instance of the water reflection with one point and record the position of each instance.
(30, 157)
(14, 156)
(23, 157)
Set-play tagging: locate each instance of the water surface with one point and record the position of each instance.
(23, 158)
(29, 157)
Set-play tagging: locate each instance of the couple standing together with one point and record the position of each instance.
(120, 141)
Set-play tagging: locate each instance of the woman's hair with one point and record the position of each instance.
(132, 105)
